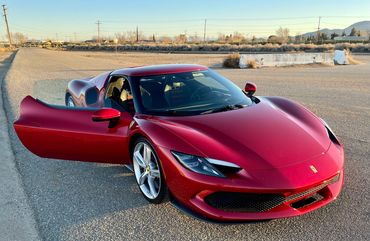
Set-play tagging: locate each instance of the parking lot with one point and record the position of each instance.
(88, 201)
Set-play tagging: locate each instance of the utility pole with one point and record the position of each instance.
(137, 34)
(98, 23)
(7, 25)
(205, 30)
(318, 30)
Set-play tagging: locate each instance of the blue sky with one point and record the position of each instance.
(67, 19)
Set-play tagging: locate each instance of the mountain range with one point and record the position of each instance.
(363, 27)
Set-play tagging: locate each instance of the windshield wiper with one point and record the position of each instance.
(223, 108)
(171, 112)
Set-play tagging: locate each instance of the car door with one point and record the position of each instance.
(71, 134)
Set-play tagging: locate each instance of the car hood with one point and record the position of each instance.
(274, 133)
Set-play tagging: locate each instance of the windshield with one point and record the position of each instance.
(188, 93)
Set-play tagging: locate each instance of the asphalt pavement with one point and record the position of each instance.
(88, 201)
(17, 221)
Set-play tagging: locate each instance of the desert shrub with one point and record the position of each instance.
(252, 64)
(351, 59)
(232, 61)
(231, 48)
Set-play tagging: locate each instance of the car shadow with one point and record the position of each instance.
(64, 194)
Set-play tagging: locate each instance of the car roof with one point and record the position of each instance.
(159, 69)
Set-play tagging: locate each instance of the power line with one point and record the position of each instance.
(208, 28)
(133, 21)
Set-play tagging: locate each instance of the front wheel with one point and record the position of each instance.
(148, 171)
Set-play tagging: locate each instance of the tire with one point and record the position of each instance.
(148, 171)
(69, 101)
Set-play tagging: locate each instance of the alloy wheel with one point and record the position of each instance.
(147, 171)
(70, 102)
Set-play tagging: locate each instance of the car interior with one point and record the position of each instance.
(173, 91)
(156, 92)
(118, 94)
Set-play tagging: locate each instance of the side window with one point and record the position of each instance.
(118, 94)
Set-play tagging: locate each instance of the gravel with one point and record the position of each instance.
(87, 201)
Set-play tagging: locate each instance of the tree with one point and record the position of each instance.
(19, 38)
(273, 39)
(254, 39)
(237, 37)
(353, 32)
(283, 34)
(166, 39)
(121, 37)
(182, 38)
(131, 36)
(195, 38)
(323, 36)
(221, 38)
(333, 35)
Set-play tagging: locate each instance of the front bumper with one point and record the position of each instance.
(287, 208)
(297, 196)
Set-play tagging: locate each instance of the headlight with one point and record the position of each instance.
(206, 166)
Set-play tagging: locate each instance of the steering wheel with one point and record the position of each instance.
(200, 92)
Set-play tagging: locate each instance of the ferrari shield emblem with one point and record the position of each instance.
(313, 169)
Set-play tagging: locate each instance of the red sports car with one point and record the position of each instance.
(188, 133)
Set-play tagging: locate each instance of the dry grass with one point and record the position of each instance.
(232, 61)
(252, 64)
(352, 60)
(6, 49)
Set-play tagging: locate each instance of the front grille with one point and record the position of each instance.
(312, 190)
(244, 202)
(254, 202)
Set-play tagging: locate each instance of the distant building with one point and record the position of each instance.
(352, 38)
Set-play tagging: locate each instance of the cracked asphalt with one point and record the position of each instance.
(88, 201)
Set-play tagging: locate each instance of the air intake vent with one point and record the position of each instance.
(332, 137)
(243, 202)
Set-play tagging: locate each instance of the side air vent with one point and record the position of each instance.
(332, 137)
(307, 201)
(227, 170)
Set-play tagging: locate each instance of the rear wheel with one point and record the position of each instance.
(148, 171)
(69, 101)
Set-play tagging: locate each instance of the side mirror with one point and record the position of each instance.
(250, 88)
(91, 95)
(107, 114)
